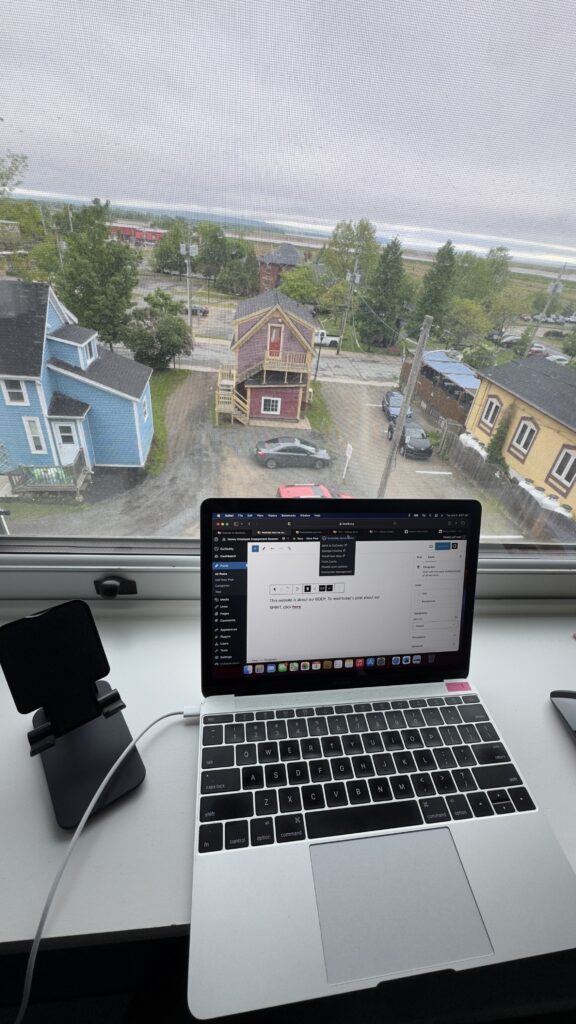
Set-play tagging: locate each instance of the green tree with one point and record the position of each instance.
(437, 287)
(465, 321)
(156, 332)
(506, 306)
(569, 345)
(27, 215)
(382, 306)
(497, 444)
(12, 170)
(541, 300)
(481, 278)
(240, 275)
(213, 252)
(352, 244)
(98, 275)
(303, 284)
(40, 264)
(167, 256)
(479, 357)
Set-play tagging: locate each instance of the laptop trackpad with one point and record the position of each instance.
(394, 903)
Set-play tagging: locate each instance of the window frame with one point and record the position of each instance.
(19, 382)
(27, 420)
(270, 412)
(515, 448)
(557, 482)
(484, 423)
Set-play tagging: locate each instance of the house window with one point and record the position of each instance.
(564, 470)
(35, 436)
(15, 392)
(275, 339)
(271, 406)
(523, 438)
(490, 414)
(66, 434)
(145, 408)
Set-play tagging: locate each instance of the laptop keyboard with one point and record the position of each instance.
(309, 773)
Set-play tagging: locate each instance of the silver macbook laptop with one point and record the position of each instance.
(359, 815)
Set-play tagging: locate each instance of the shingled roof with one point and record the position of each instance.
(110, 370)
(547, 386)
(267, 300)
(286, 255)
(66, 407)
(23, 306)
(72, 332)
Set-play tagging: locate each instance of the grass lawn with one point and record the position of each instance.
(317, 412)
(162, 384)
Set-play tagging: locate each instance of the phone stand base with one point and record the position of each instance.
(78, 761)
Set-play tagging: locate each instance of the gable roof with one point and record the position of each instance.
(267, 300)
(74, 333)
(111, 371)
(68, 408)
(23, 306)
(286, 255)
(547, 386)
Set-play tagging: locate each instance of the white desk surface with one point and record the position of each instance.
(131, 871)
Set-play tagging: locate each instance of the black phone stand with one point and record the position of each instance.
(52, 662)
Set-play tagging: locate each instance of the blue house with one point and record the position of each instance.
(67, 404)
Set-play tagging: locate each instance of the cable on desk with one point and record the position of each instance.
(188, 713)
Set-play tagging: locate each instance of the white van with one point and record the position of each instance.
(329, 340)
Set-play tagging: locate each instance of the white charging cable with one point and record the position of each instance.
(191, 713)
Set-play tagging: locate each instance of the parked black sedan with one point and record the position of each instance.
(290, 451)
(414, 441)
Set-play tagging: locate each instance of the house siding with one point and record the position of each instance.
(289, 402)
(67, 352)
(53, 319)
(252, 351)
(14, 435)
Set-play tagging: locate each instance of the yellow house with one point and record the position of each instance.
(539, 398)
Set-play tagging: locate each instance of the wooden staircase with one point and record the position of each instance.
(229, 402)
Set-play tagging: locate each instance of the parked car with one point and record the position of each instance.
(197, 310)
(329, 340)
(392, 403)
(538, 350)
(309, 491)
(558, 357)
(493, 336)
(290, 451)
(508, 341)
(414, 441)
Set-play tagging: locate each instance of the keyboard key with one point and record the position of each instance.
(310, 748)
(495, 776)
(290, 828)
(504, 807)
(423, 785)
(312, 797)
(363, 707)
(417, 702)
(412, 739)
(425, 760)
(353, 744)
(343, 709)
(414, 719)
(246, 753)
(469, 734)
(432, 716)
(459, 807)
(434, 810)
(298, 773)
(444, 782)
(381, 705)
(261, 831)
(304, 712)
(212, 735)
(470, 698)
(384, 764)
(376, 721)
(431, 737)
(335, 793)
(480, 805)
(217, 719)
(372, 742)
(404, 762)
(267, 753)
(285, 713)
(297, 728)
(397, 704)
(357, 723)
(289, 799)
(252, 778)
(435, 702)
(276, 730)
(498, 796)
(365, 818)
(358, 792)
(450, 735)
(264, 716)
(218, 757)
(454, 700)
(226, 780)
(210, 838)
(326, 710)
(521, 798)
(255, 732)
(332, 746)
(487, 732)
(234, 733)
(342, 768)
(275, 775)
(317, 726)
(266, 801)
(401, 787)
(451, 716)
(395, 719)
(363, 767)
(337, 725)
(380, 789)
(244, 716)
(473, 713)
(320, 771)
(464, 779)
(491, 753)
(464, 756)
(445, 758)
(236, 835)
(289, 750)
(228, 805)
(392, 740)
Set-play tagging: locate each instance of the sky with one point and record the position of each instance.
(453, 115)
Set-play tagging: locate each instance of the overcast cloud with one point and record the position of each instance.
(453, 115)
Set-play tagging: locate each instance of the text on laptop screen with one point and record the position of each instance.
(333, 593)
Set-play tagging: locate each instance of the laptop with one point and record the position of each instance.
(360, 817)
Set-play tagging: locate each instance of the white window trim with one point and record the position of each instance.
(22, 384)
(270, 412)
(560, 476)
(525, 422)
(28, 421)
(491, 402)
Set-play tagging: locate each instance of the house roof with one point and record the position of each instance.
(66, 407)
(545, 385)
(454, 371)
(267, 300)
(110, 370)
(23, 307)
(74, 333)
(286, 255)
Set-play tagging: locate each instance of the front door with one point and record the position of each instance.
(67, 441)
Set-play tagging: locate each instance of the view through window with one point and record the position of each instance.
(257, 249)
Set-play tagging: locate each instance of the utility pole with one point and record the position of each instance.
(554, 289)
(189, 251)
(354, 279)
(399, 426)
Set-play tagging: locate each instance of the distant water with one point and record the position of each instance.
(414, 239)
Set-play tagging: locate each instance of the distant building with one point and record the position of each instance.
(139, 235)
(273, 348)
(445, 386)
(272, 265)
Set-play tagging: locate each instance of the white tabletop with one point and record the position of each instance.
(131, 871)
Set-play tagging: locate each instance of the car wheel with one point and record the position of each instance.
(271, 463)
(390, 433)
(319, 464)
(402, 450)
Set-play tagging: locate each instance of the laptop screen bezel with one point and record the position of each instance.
(328, 680)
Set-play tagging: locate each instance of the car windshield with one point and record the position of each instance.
(415, 432)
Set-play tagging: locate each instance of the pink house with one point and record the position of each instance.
(273, 348)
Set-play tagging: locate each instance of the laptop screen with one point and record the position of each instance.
(306, 595)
